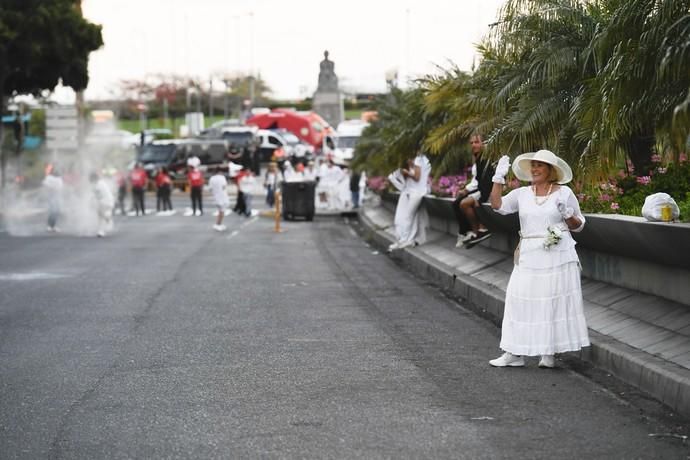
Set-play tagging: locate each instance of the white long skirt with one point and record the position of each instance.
(543, 311)
(410, 220)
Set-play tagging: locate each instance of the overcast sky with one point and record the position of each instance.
(283, 40)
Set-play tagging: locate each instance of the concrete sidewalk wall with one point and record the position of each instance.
(626, 251)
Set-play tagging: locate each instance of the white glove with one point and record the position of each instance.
(502, 169)
(566, 212)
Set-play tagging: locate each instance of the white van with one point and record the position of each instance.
(345, 139)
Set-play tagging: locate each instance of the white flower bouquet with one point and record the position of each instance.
(553, 237)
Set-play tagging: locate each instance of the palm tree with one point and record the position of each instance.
(593, 80)
(642, 77)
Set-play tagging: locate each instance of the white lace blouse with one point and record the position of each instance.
(535, 218)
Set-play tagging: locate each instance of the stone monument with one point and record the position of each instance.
(327, 101)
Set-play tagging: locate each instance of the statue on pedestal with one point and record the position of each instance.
(327, 100)
(328, 81)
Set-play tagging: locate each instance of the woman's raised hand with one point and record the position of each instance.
(502, 169)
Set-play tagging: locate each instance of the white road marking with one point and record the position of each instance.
(31, 276)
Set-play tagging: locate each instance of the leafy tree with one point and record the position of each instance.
(398, 132)
(241, 86)
(41, 43)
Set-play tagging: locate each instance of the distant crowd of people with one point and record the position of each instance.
(337, 188)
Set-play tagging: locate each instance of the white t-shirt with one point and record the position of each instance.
(103, 194)
(422, 185)
(218, 185)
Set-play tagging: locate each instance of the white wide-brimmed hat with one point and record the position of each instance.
(522, 166)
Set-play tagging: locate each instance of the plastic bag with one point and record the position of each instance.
(660, 207)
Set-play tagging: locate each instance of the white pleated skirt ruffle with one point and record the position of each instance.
(543, 311)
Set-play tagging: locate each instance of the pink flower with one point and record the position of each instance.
(615, 206)
(682, 158)
(644, 180)
(656, 158)
(581, 197)
(605, 197)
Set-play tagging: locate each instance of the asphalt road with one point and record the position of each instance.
(169, 340)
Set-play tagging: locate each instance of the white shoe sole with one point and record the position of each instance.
(520, 363)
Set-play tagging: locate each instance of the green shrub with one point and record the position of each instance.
(625, 194)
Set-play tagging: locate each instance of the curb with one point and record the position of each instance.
(664, 381)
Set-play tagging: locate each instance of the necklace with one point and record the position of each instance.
(540, 200)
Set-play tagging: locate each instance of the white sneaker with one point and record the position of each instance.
(218, 228)
(406, 244)
(547, 361)
(100, 234)
(508, 359)
(462, 238)
(393, 247)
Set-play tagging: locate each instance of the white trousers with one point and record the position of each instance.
(410, 220)
(105, 218)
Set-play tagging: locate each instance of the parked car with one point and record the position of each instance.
(157, 154)
(211, 153)
(297, 149)
(269, 142)
(174, 153)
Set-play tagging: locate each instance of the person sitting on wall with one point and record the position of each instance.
(470, 229)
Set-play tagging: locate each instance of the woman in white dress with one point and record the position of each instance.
(411, 221)
(543, 310)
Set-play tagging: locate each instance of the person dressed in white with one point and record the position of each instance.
(105, 202)
(289, 173)
(310, 172)
(410, 223)
(219, 185)
(543, 308)
(330, 177)
(52, 187)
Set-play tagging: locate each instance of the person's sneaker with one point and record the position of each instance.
(100, 234)
(219, 228)
(547, 361)
(477, 238)
(406, 244)
(393, 247)
(462, 238)
(508, 360)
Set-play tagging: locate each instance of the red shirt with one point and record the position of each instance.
(138, 177)
(195, 178)
(163, 179)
